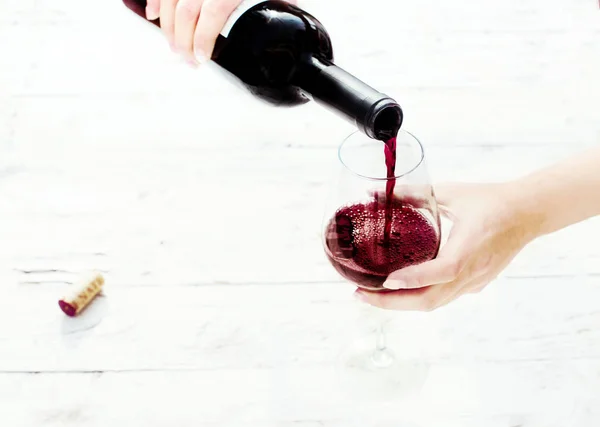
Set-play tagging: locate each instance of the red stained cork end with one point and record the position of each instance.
(81, 294)
(67, 308)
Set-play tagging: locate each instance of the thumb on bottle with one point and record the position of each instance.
(152, 9)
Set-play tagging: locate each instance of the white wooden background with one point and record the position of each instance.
(114, 155)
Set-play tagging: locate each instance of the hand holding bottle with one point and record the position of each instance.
(192, 26)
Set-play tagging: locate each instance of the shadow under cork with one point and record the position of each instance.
(74, 330)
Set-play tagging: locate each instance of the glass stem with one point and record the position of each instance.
(381, 357)
(381, 338)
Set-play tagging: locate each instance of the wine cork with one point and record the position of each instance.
(81, 294)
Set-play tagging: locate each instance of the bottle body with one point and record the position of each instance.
(266, 46)
(284, 56)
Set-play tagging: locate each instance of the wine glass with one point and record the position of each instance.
(381, 216)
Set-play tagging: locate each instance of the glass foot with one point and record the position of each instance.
(365, 372)
(382, 359)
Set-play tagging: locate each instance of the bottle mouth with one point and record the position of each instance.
(385, 120)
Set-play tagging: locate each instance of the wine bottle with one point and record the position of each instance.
(284, 56)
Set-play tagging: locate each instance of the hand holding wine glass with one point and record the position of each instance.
(492, 223)
(488, 232)
(192, 26)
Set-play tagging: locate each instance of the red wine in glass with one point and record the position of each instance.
(390, 165)
(366, 240)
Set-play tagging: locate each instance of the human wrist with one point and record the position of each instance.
(528, 210)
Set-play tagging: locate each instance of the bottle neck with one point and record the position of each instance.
(374, 113)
